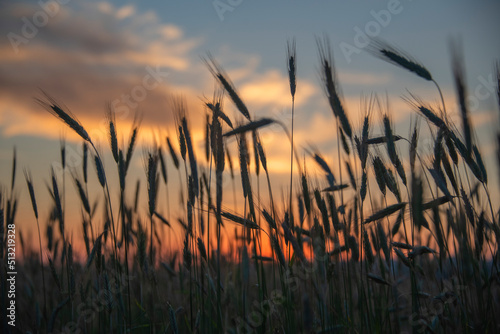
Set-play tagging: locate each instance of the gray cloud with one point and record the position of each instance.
(87, 56)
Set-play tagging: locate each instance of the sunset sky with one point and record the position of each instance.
(138, 54)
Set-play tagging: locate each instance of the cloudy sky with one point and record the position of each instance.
(137, 55)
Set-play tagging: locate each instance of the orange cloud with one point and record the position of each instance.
(272, 88)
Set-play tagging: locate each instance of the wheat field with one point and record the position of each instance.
(398, 238)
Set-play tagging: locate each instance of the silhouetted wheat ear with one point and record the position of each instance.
(219, 74)
(497, 72)
(216, 107)
(402, 257)
(469, 211)
(163, 166)
(54, 273)
(343, 139)
(413, 147)
(351, 175)
(418, 105)
(162, 219)
(292, 65)
(320, 202)
(382, 236)
(326, 63)
(391, 183)
(151, 166)
(378, 279)
(480, 163)
(113, 141)
(461, 89)
(436, 202)
(207, 137)
(131, 145)
(367, 247)
(353, 247)
(182, 143)
(14, 164)
(172, 318)
(57, 202)
(438, 147)
(173, 154)
(439, 179)
(83, 196)
(305, 193)
(63, 151)
(451, 149)
(192, 159)
(29, 182)
(362, 190)
(397, 57)
(382, 139)
(420, 250)
(391, 148)
(269, 219)
(449, 171)
(380, 171)
(218, 152)
(362, 145)
(262, 155)
(136, 194)
(133, 139)
(330, 82)
(122, 169)
(240, 220)
(277, 249)
(49, 104)
(243, 156)
(85, 149)
(101, 176)
(322, 163)
(201, 248)
(291, 238)
(216, 140)
(336, 187)
(251, 126)
(186, 252)
(94, 251)
(385, 212)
